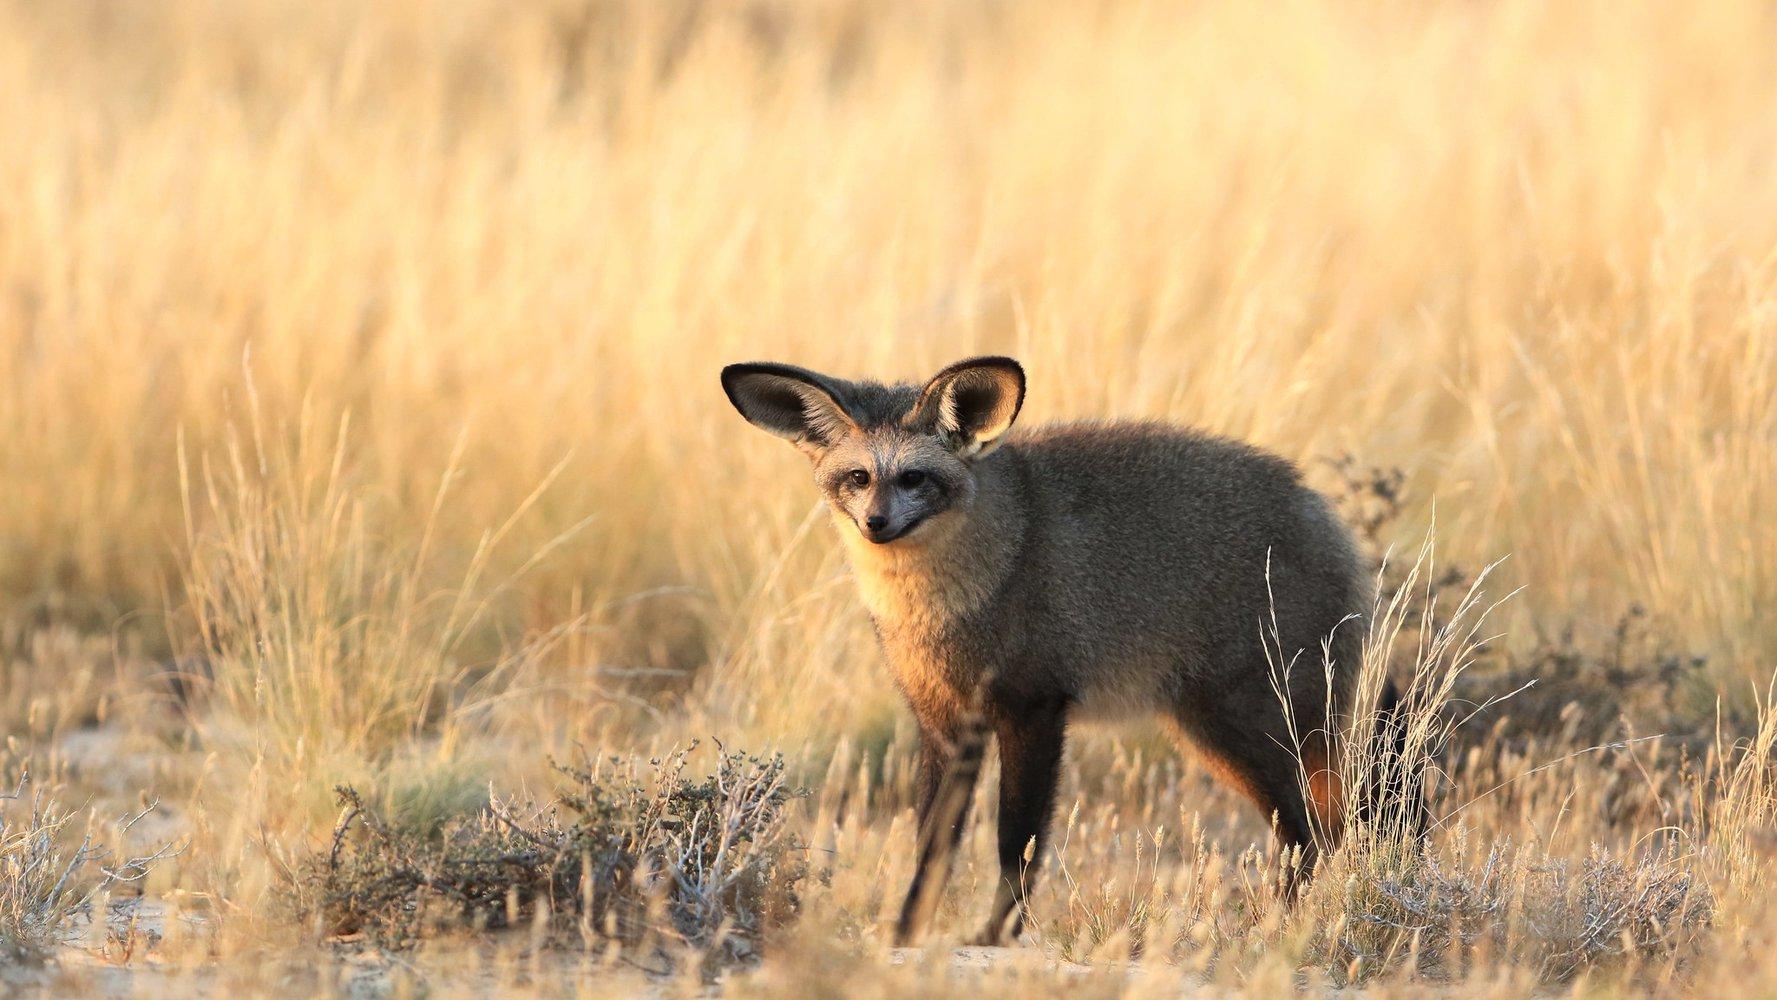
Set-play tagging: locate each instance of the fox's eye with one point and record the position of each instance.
(859, 477)
(912, 478)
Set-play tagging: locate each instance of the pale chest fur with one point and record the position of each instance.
(917, 596)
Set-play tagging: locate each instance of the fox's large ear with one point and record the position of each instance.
(796, 404)
(973, 403)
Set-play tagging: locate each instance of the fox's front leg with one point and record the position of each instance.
(1031, 735)
(949, 764)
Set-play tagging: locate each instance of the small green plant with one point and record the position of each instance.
(626, 854)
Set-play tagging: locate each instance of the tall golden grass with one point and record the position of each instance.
(361, 359)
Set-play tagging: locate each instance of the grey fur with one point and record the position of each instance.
(1106, 569)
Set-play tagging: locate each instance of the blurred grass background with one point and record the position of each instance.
(1522, 251)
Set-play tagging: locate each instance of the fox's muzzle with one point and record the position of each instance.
(881, 530)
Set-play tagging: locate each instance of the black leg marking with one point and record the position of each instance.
(1031, 737)
(948, 769)
(1294, 834)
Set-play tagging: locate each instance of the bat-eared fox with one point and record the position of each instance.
(1020, 580)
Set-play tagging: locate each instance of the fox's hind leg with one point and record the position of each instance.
(1251, 753)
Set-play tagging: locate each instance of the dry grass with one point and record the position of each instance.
(363, 424)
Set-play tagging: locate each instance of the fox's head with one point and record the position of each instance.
(890, 459)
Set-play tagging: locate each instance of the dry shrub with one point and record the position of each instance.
(1588, 690)
(624, 855)
(1438, 915)
(45, 884)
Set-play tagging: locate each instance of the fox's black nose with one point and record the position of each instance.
(875, 522)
